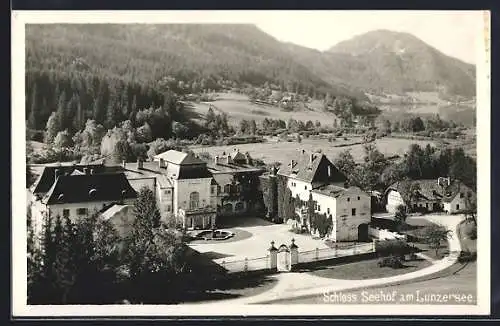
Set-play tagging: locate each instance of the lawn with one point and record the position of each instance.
(235, 288)
(459, 279)
(368, 269)
(414, 225)
(286, 151)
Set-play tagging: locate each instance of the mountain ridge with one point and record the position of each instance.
(369, 62)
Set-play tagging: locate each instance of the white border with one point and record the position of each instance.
(19, 307)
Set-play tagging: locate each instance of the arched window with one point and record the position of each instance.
(194, 200)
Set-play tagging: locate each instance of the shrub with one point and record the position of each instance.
(392, 261)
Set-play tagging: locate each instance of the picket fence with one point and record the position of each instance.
(262, 263)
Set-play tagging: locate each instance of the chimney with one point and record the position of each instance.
(124, 164)
(216, 159)
(140, 165)
(57, 173)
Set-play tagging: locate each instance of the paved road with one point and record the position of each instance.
(293, 285)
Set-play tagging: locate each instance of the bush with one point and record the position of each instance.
(392, 262)
(467, 256)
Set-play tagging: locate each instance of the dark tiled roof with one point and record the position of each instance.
(89, 188)
(308, 170)
(47, 178)
(428, 189)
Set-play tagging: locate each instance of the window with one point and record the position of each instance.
(328, 210)
(319, 208)
(305, 187)
(348, 199)
(458, 207)
(168, 208)
(227, 188)
(167, 192)
(81, 211)
(469, 194)
(359, 198)
(461, 195)
(353, 212)
(212, 190)
(65, 212)
(194, 200)
(218, 189)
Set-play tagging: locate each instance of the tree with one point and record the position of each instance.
(144, 134)
(345, 162)
(154, 254)
(400, 216)
(179, 130)
(63, 140)
(244, 126)
(53, 127)
(434, 235)
(122, 151)
(253, 127)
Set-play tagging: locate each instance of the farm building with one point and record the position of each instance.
(442, 194)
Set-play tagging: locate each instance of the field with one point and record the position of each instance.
(238, 107)
(273, 151)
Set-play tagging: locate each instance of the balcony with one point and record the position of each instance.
(197, 211)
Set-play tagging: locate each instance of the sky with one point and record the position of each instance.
(453, 33)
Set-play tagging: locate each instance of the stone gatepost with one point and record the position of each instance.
(294, 253)
(272, 262)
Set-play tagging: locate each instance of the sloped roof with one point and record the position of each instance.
(113, 210)
(149, 170)
(306, 170)
(428, 189)
(330, 190)
(89, 188)
(47, 177)
(223, 179)
(179, 158)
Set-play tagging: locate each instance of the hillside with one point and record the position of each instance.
(386, 61)
(213, 54)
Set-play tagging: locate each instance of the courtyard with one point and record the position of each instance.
(252, 240)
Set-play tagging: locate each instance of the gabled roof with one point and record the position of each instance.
(311, 167)
(180, 158)
(428, 189)
(89, 188)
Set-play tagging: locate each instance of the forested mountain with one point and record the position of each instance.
(396, 62)
(235, 53)
(108, 72)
